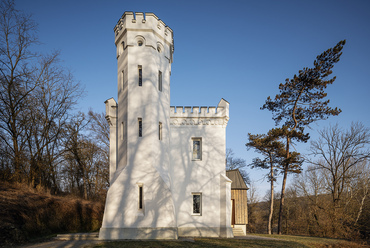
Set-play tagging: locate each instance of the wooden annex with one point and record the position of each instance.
(239, 217)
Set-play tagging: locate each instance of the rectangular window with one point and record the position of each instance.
(197, 203)
(123, 79)
(140, 75)
(197, 148)
(160, 131)
(159, 80)
(140, 122)
(122, 128)
(141, 198)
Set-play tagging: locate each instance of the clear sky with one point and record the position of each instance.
(236, 50)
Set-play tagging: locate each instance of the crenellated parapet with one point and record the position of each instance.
(144, 21)
(200, 115)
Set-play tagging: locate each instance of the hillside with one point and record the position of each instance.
(27, 214)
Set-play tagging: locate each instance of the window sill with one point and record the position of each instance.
(140, 213)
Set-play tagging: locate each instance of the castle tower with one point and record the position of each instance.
(139, 203)
(167, 164)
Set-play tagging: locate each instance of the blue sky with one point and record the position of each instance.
(236, 50)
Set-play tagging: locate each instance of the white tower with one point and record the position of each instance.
(139, 203)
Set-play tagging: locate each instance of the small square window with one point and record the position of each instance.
(197, 148)
(197, 203)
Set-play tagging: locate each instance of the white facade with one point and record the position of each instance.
(167, 164)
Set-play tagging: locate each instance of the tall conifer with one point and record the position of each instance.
(300, 102)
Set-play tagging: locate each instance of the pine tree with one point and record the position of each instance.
(273, 151)
(300, 102)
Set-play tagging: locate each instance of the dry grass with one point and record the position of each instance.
(286, 241)
(203, 243)
(26, 214)
(316, 241)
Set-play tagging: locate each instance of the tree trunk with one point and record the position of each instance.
(283, 187)
(282, 201)
(17, 161)
(271, 201)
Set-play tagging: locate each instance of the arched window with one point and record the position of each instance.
(159, 47)
(140, 41)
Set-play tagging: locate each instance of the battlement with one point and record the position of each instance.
(200, 115)
(196, 111)
(139, 20)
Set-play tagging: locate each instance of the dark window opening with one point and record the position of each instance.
(160, 131)
(140, 197)
(159, 80)
(197, 203)
(140, 75)
(140, 127)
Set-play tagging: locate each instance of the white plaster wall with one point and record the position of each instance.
(122, 200)
(203, 176)
(152, 106)
(141, 160)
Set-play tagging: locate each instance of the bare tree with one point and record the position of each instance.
(16, 79)
(36, 94)
(99, 128)
(86, 162)
(337, 183)
(361, 187)
(339, 152)
(52, 101)
(233, 163)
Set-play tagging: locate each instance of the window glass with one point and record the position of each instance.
(197, 203)
(197, 149)
(140, 75)
(159, 80)
(160, 131)
(140, 197)
(140, 122)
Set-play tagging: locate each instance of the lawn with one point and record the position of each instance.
(282, 241)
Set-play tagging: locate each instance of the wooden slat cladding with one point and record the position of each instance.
(241, 210)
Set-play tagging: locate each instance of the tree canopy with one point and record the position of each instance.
(301, 101)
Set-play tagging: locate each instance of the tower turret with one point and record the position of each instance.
(142, 132)
(144, 56)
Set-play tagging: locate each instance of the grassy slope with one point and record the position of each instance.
(26, 214)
